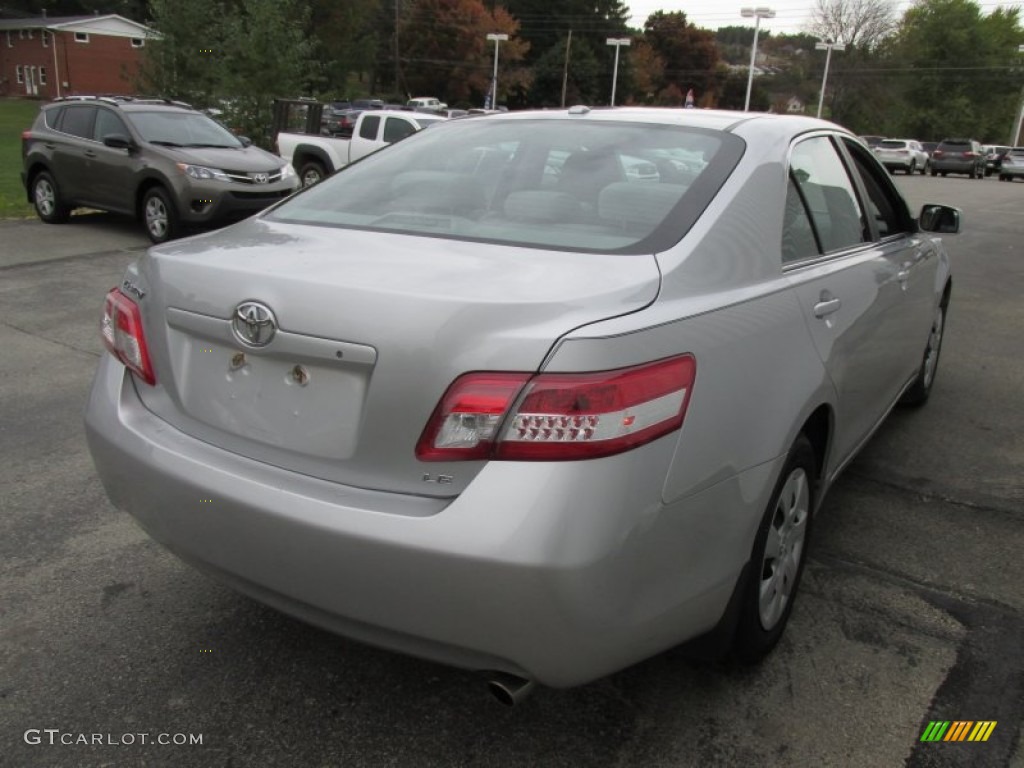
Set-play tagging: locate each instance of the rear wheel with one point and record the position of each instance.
(312, 172)
(912, 168)
(778, 556)
(921, 389)
(933, 172)
(159, 215)
(46, 199)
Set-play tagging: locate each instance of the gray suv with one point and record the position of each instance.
(161, 161)
(958, 156)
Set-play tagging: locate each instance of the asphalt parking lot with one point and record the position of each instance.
(911, 610)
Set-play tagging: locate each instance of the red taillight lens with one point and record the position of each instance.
(123, 336)
(937, 153)
(560, 416)
(970, 154)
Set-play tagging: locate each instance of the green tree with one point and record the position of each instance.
(187, 60)
(956, 70)
(267, 55)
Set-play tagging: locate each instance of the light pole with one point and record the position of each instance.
(1020, 115)
(827, 45)
(757, 14)
(497, 38)
(618, 42)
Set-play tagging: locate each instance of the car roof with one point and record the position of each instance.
(711, 119)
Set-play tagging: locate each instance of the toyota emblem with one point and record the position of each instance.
(260, 178)
(254, 324)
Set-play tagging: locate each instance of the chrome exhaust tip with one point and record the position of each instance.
(509, 689)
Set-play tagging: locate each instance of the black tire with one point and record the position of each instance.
(933, 172)
(1003, 178)
(47, 200)
(159, 215)
(787, 525)
(912, 168)
(944, 174)
(921, 389)
(312, 172)
(924, 169)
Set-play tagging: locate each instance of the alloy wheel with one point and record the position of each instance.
(45, 197)
(156, 217)
(784, 548)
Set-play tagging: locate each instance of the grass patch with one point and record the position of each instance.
(15, 116)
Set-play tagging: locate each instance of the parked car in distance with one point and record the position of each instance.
(905, 155)
(317, 157)
(929, 146)
(1012, 166)
(958, 156)
(872, 141)
(539, 424)
(431, 103)
(993, 157)
(163, 162)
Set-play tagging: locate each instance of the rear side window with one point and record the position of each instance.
(396, 129)
(590, 186)
(369, 127)
(827, 191)
(78, 121)
(893, 144)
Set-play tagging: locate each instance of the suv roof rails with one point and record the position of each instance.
(117, 100)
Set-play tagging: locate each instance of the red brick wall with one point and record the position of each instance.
(103, 65)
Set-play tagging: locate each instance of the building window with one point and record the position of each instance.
(19, 75)
(45, 37)
(138, 42)
(81, 37)
(30, 34)
(10, 40)
(21, 34)
(42, 75)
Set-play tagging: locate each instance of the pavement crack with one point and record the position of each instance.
(58, 342)
(932, 496)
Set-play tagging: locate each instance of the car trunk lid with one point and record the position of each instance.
(369, 331)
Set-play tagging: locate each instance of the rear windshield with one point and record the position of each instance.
(955, 144)
(893, 144)
(566, 184)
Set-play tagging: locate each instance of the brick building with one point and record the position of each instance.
(47, 57)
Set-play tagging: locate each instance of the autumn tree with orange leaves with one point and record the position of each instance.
(444, 51)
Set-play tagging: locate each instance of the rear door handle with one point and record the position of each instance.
(826, 306)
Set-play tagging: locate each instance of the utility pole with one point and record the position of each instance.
(565, 69)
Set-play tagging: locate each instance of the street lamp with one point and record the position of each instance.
(828, 45)
(757, 14)
(497, 38)
(617, 42)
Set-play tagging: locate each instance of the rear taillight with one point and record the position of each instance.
(557, 416)
(123, 336)
(937, 153)
(970, 154)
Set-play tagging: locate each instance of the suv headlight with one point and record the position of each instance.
(202, 172)
(287, 172)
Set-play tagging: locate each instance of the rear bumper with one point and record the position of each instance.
(955, 166)
(559, 572)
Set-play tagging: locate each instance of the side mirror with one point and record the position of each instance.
(246, 141)
(943, 219)
(118, 141)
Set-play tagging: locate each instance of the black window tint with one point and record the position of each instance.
(78, 121)
(368, 129)
(107, 123)
(884, 203)
(798, 241)
(52, 117)
(396, 129)
(829, 194)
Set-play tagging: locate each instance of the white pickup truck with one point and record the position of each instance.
(316, 157)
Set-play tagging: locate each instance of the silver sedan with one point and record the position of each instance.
(489, 398)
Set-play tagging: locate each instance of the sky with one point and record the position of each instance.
(791, 15)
